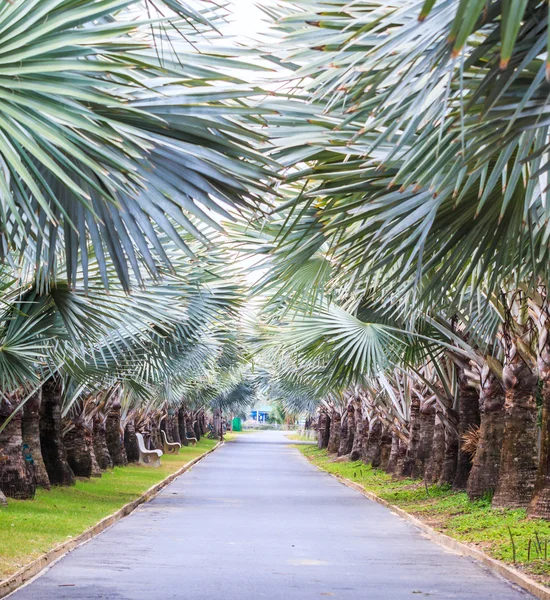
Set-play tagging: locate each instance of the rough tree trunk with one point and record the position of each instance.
(101, 451)
(372, 451)
(189, 427)
(31, 437)
(346, 442)
(130, 442)
(518, 459)
(450, 454)
(434, 467)
(486, 464)
(181, 426)
(156, 439)
(414, 439)
(357, 447)
(51, 438)
(334, 439)
(16, 474)
(468, 419)
(115, 443)
(173, 426)
(385, 448)
(323, 431)
(426, 435)
(343, 435)
(197, 428)
(391, 467)
(80, 452)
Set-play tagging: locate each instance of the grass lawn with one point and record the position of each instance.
(28, 528)
(454, 514)
(300, 437)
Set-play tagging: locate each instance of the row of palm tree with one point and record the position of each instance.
(406, 285)
(125, 138)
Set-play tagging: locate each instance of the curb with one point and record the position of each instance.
(507, 572)
(25, 574)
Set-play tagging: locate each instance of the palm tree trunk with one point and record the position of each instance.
(156, 439)
(343, 435)
(518, 459)
(434, 466)
(80, 452)
(414, 439)
(486, 464)
(101, 451)
(357, 447)
(394, 453)
(372, 451)
(16, 474)
(181, 426)
(334, 439)
(385, 449)
(450, 453)
(197, 426)
(51, 438)
(130, 442)
(31, 437)
(173, 426)
(189, 431)
(323, 429)
(468, 419)
(115, 442)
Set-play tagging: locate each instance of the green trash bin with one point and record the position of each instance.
(236, 424)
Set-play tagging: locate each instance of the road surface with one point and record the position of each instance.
(255, 520)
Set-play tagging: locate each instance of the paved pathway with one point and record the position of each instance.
(255, 521)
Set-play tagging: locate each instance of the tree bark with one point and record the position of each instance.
(323, 431)
(101, 451)
(173, 426)
(197, 429)
(16, 474)
(346, 442)
(434, 467)
(518, 459)
(80, 452)
(391, 467)
(385, 449)
(156, 439)
(130, 442)
(486, 464)
(468, 418)
(189, 427)
(181, 426)
(450, 454)
(426, 419)
(334, 439)
(372, 451)
(115, 442)
(31, 437)
(540, 503)
(357, 447)
(343, 435)
(414, 439)
(51, 438)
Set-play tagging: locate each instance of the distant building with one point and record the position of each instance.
(260, 413)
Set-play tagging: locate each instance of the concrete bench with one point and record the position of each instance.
(191, 440)
(149, 458)
(169, 447)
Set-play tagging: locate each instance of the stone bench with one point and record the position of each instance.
(191, 440)
(149, 458)
(169, 447)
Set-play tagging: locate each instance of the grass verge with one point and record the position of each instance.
(452, 513)
(28, 528)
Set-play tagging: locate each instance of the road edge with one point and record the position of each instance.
(38, 566)
(509, 573)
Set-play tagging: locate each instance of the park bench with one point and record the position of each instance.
(169, 447)
(191, 440)
(150, 458)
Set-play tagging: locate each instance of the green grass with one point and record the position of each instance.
(28, 528)
(300, 437)
(454, 514)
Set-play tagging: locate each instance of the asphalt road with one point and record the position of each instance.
(256, 521)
